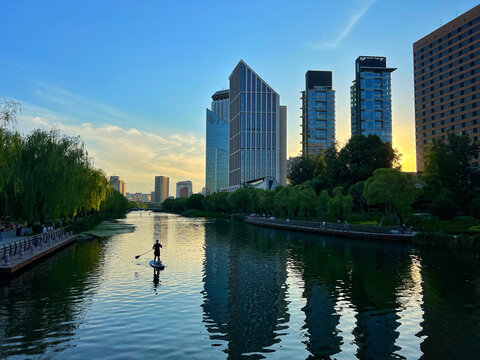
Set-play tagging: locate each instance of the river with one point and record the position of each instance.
(237, 291)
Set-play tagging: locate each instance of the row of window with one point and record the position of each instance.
(443, 137)
(451, 127)
(452, 111)
(376, 115)
(448, 65)
(258, 141)
(448, 97)
(265, 122)
(260, 102)
(448, 36)
(250, 82)
(262, 160)
(447, 76)
(449, 50)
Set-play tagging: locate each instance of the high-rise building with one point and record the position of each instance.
(371, 98)
(318, 112)
(161, 188)
(115, 181)
(447, 82)
(283, 145)
(184, 189)
(255, 129)
(119, 185)
(216, 164)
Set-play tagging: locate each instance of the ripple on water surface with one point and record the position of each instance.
(237, 291)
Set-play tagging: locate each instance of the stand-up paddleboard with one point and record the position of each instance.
(157, 265)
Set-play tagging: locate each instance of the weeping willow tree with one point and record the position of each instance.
(45, 176)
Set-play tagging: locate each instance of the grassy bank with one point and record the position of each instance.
(90, 222)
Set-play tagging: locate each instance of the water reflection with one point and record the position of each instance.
(156, 279)
(358, 295)
(261, 293)
(31, 323)
(244, 290)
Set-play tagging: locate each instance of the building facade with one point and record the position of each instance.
(119, 185)
(161, 189)
(255, 131)
(216, 164)
(318, 112)
(184, 189)
(447, 82)
(371, 98)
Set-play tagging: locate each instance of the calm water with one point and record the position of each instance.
(237, 291)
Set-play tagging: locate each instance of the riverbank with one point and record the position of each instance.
(334, 229)
(89, 222)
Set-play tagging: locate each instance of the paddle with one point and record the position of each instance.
(136, 257)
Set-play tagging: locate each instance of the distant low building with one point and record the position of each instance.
(184, 189)
(139, 197)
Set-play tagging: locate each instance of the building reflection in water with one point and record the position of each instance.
(352, 291)
(244, 289)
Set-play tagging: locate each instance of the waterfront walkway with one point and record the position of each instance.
(18, 253)
(332, 229)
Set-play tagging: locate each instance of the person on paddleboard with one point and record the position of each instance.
(156, 251)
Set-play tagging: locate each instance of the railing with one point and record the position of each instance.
(20, 246)
(328, 226)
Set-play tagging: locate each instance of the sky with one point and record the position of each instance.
(133, 78)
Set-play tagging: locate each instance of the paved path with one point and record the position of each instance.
(32, 254)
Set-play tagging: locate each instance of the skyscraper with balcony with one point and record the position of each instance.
(255, 131)
(371, 98)
(216, 164)
(318, 112)
(447, 82)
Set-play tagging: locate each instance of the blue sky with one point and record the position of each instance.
(133, 78)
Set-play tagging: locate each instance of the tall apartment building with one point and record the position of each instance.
(256, 135)
(119, 185)
(216, 164)
(371, 98)
(447, 82)
(318, 112)
(184, 189)
(161, 188)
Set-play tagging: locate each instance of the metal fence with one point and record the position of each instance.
(328, 226)
(32, 242)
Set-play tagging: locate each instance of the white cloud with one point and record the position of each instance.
(136, 155)
(347, 28)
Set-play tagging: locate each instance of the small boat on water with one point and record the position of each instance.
(157, 265)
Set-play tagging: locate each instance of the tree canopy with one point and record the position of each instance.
(393, 189)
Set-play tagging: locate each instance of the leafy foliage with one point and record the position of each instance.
(46, 176)
(393, 189)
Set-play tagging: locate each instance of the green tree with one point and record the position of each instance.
(356, 191)
(340, 205)
(392, 189)
(448, 168)
(306, 168)
(322, 202)
(195, 202)
(240, 200)
(358, 159)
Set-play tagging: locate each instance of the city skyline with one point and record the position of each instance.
(101, 84)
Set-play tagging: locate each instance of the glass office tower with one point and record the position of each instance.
(318, 112)
(371, 98)
(254, 127)
(216, 169)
